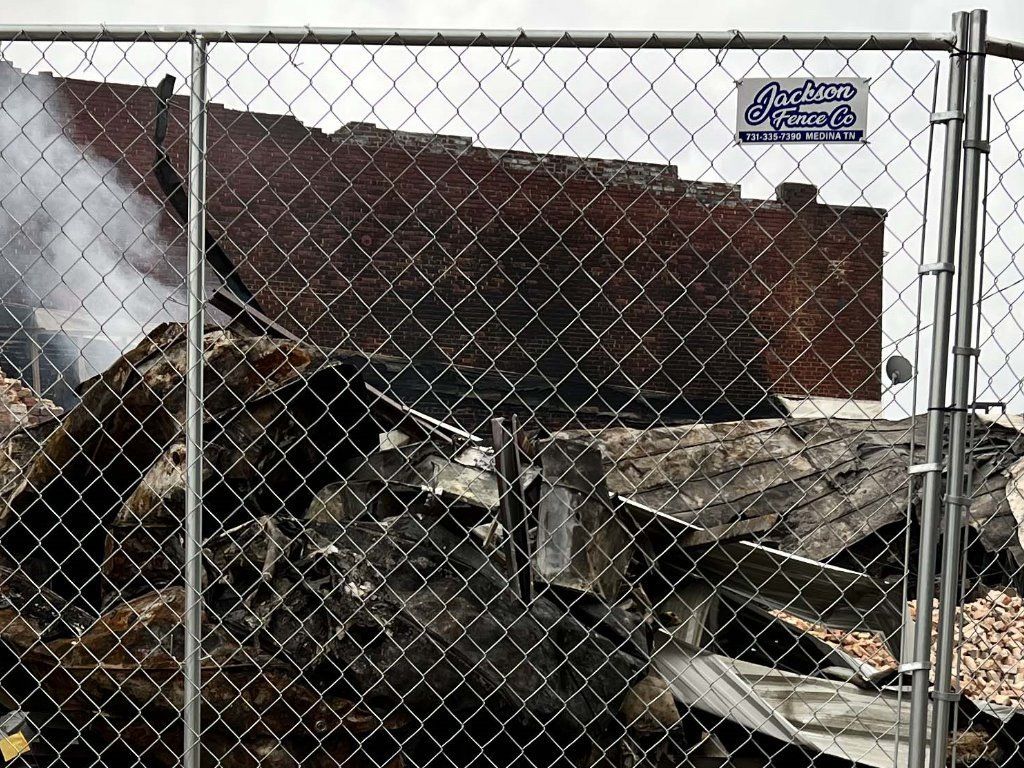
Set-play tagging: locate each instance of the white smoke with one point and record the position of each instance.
(71, 230)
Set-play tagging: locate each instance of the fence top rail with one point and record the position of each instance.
(1007, 49)
(509, 38)
(924, 41)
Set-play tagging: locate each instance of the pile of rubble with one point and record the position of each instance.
(20, 406)
(384, 589)
(990, 648)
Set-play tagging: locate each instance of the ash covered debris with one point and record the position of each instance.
(371, 597)
(408, 628)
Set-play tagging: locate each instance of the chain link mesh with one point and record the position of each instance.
(544, 423)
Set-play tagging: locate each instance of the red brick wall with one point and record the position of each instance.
(617, 272)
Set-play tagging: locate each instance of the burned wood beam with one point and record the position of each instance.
(174, 189)
(513, 505)
(728, 531)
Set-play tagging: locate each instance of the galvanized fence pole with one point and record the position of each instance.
(963, 355)
(920, 664)
(194, 405)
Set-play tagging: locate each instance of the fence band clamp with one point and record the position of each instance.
(978, 144)
(920, 469)
(959, 501)
(969, 351)
(936, 267)
(914, 666)
(946, 117)
(945, 695)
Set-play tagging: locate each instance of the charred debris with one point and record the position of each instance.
(384, 589)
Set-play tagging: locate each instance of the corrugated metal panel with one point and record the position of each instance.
(818, 592)
(707, 682)
(839, 719)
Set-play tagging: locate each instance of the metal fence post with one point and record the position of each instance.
(194, 405)
(920, 664)
(963, 355)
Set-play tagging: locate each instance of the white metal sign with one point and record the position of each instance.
(802, 109)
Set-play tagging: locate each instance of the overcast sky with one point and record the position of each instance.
(655, 106)
(883, 15)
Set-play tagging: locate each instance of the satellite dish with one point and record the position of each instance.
(899, 369)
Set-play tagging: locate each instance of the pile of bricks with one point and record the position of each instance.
(866, 646)
(990, 649)
(20, 406)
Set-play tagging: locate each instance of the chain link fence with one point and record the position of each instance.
(476, 398)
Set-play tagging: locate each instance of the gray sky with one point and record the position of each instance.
(654, 106)
(886, 15)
